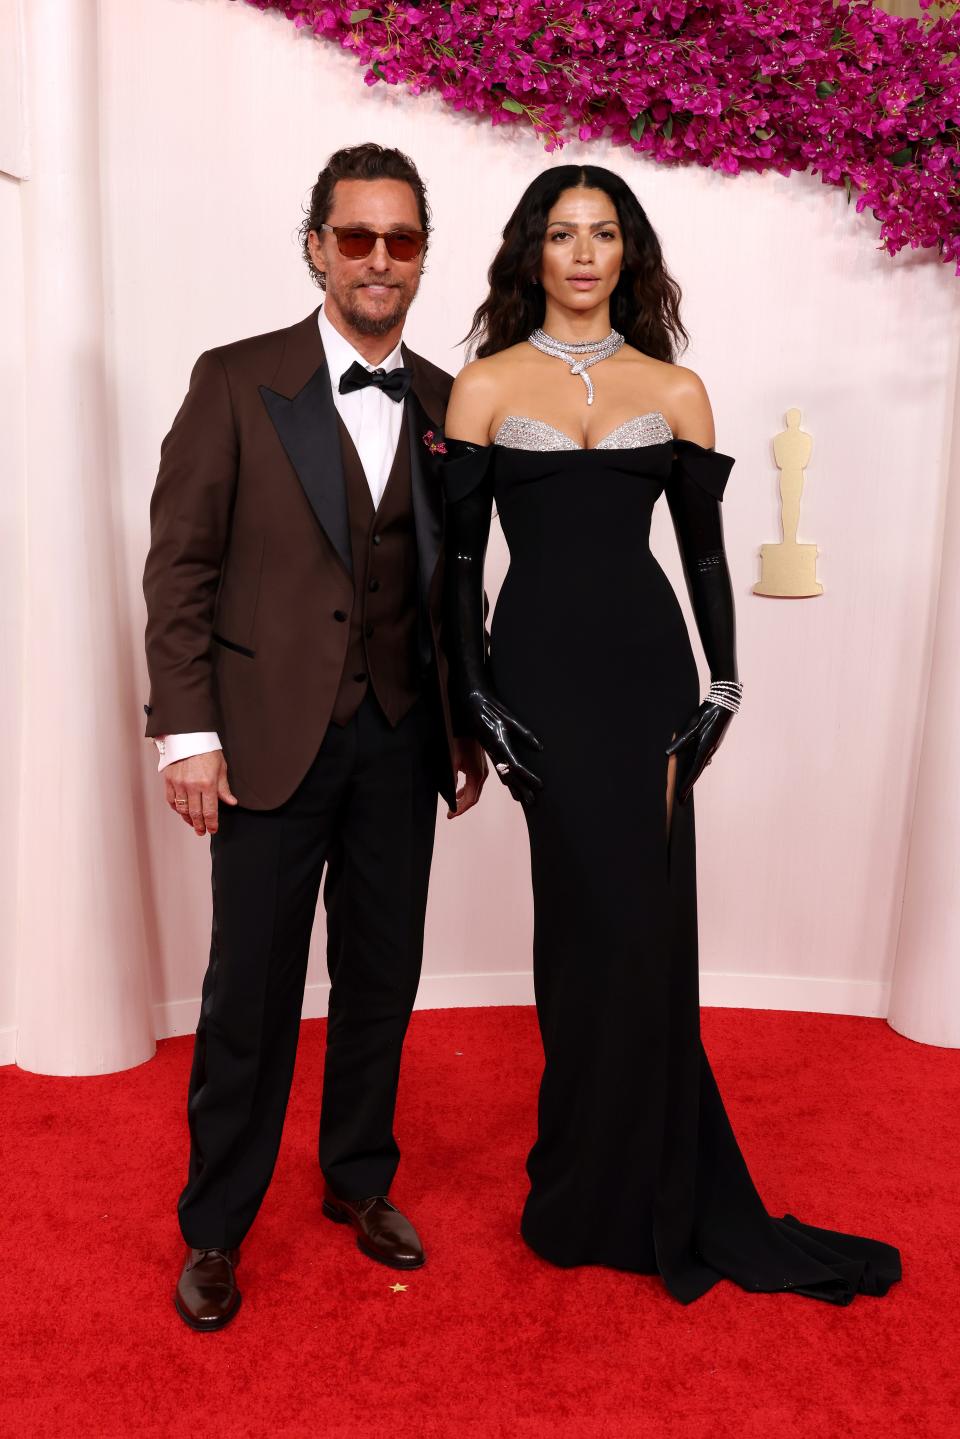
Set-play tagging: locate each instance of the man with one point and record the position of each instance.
(298, 698)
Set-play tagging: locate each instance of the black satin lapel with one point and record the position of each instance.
(307, 426)
(427, 501)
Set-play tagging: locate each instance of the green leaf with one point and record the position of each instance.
(826, 87)
(639, 125)
(512, 105)
(902, 157)
(837, 35)
(848, 186)
(668, 127)
(763, 134)
(357, 15)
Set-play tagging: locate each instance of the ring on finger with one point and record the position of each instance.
(181, 802)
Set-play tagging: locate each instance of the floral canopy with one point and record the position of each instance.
(866, 100)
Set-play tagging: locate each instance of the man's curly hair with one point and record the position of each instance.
(358, 162)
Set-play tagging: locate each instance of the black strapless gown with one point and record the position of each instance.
(635, 1163)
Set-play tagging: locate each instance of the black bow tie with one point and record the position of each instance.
(394, 383)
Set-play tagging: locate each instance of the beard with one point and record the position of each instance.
(380, 324)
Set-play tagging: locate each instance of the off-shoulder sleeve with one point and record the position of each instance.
(707, 468)
(465, 467)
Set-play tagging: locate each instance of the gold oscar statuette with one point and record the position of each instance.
(789, 570)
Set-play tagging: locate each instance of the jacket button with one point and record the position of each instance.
(376, 539)
(360, 678)
(368, 630)
(340, 615)
(373, 586)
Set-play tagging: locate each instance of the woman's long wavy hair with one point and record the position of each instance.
(644, 307)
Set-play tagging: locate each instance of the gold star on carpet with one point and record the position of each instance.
(398, 1288)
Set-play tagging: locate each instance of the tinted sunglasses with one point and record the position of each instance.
(356, 243)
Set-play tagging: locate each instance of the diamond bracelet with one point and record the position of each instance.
(725, 693)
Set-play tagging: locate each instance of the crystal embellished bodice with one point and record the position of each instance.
(519, 432)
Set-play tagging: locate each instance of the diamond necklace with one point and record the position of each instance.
(590, 352)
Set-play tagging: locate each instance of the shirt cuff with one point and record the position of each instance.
(174, 747)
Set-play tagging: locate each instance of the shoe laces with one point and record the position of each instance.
(203, 1254)
(368, 1204)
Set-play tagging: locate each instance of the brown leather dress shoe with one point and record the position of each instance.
(383, 1232)
(207, 1296)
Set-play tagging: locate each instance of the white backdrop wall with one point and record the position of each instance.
(12, 479)
(214, 120)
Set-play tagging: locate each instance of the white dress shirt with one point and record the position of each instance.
(373, 422)
(371, 417)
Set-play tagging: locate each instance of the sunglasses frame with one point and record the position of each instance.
(384, 235)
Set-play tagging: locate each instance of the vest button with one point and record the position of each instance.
(368, 630)
(376, 539)
(360, 678)
(373, 586)
(340, 615)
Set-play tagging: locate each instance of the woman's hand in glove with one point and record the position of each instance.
(499, 731)
(696, 745)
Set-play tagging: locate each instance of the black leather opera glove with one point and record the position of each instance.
(694, 491)
(476, 709)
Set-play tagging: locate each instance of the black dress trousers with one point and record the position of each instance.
(367, 810)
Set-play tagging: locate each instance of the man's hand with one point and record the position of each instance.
(194, 786)
(471, 762)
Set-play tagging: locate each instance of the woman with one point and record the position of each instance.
(574, 419)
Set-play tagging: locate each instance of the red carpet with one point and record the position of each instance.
(843, 1122)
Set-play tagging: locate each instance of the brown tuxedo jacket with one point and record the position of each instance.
(249, 575)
